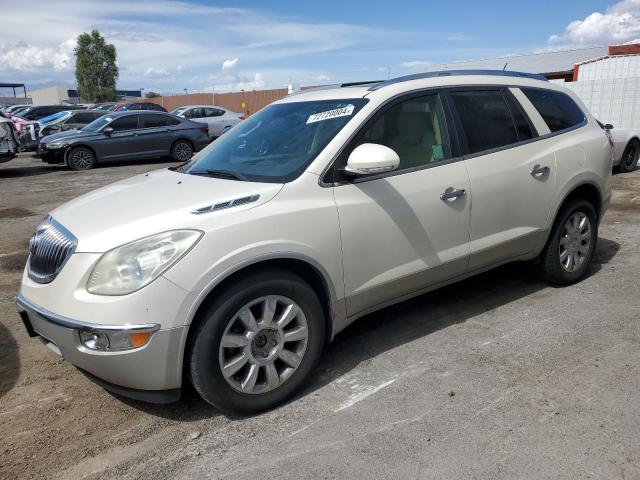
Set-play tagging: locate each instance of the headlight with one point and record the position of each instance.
(57, 145)
(130, 267)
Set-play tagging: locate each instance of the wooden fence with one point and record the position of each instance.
(241, 102)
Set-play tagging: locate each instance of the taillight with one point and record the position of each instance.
(205, 129)
(242, 117)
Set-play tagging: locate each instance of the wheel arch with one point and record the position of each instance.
(306, 268)
(85, 145)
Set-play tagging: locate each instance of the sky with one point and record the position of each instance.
(171, 45)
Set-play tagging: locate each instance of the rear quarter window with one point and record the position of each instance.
(557, 109)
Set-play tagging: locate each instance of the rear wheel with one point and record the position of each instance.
(571, 245)
(81, 158)
(181, 151)
(257, 343)
(630, 156)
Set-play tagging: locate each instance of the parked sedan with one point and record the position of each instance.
(626, 149)
(218, 119)
(125, 136)
(8, 140)
(36, 112)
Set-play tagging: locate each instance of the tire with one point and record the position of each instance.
(253, 387)
(554, 265)
(629, 158)
(181, 151)
(81, 158)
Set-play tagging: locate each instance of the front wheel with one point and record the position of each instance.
(566, 257)
(629, 158)
(181, 151)
(81, 158)
(256, 345)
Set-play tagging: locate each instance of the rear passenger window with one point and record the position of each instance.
(152, 120)
(415, 129)
(486, 119)
(557, 109)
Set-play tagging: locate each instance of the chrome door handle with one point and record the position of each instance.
(539, 170)
(451, 194)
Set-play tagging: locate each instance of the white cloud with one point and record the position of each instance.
(27, 58)
(229, 63)
(156, 72)
(620, 23)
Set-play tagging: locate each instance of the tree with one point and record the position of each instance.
(152, 94)
(96, 69)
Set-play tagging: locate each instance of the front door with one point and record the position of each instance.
(512, 177)
(122, 143)
(406, 230)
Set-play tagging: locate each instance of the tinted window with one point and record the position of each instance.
(486, 119)
(523, 126)
(82, 118)
(415, 129)
(130, 122)
(213, 112)
(277, 143)
(153, 120)
(557, 109)
(173, 121)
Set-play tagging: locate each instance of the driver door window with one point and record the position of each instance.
(415, 129)
(130, 122)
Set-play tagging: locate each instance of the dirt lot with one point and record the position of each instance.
(500, 376)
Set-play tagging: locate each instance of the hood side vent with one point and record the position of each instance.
(228, 204)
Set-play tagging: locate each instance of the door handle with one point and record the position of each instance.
(539, 170)
(451, 194)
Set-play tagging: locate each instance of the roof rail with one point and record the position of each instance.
(355, 84)
(446, 73)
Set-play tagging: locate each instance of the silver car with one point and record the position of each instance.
(220, 120)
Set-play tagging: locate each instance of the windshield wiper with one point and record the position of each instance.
(219, 174)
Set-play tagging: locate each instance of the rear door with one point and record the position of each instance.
(405, 230)
(155, 135)
(512, 175)
(215, 119)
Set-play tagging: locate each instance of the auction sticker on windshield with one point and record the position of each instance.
(328, 115)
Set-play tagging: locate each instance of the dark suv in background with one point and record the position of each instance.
(139, 106)
(40, 111)
(125, 136)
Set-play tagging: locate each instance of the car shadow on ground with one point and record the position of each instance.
(9, 360)
(405, 322)
(28, 171)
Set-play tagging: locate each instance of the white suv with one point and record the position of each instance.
(233, 270)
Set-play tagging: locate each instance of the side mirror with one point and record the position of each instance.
(608, 126)
(107, 131)
(370, 159)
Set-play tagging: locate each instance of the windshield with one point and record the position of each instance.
(51, 118)
(178, 111)
(97, 124)
(277, 143)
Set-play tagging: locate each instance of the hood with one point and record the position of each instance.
(66, 134)
(153, 203)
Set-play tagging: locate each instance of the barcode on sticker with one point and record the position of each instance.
(328, 115)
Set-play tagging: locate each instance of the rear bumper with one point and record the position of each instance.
(147, 373)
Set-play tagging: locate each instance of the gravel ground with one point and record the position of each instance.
(500, 376)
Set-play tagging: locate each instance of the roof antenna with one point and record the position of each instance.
(505, 66)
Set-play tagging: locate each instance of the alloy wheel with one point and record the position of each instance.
(263, 344)
(575, 242)
(183, 151)
(81, 159)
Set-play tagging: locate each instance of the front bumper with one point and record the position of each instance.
(51, 155)
(147, 373)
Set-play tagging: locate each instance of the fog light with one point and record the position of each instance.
(113, 341)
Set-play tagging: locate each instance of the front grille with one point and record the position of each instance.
(49, 249)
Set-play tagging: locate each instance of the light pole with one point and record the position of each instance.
(185, 91)
(141, 92)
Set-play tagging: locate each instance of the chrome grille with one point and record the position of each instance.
(49, 249)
